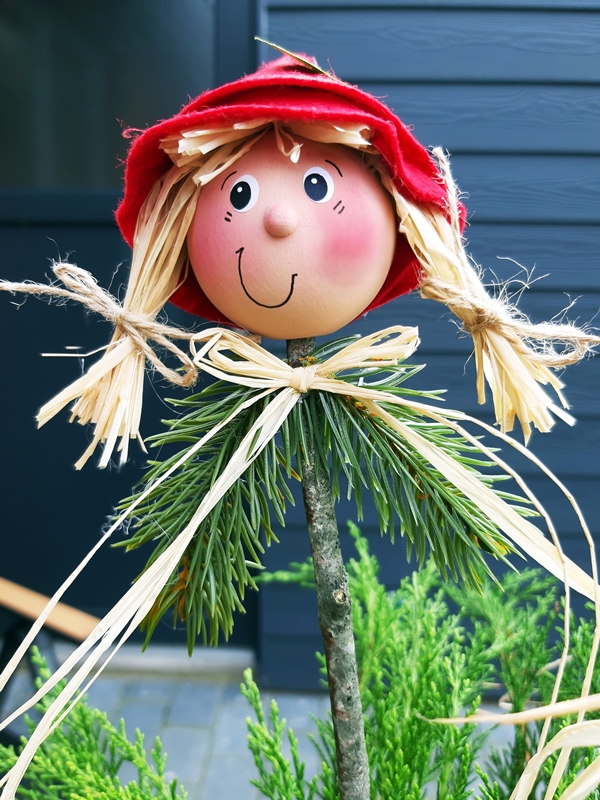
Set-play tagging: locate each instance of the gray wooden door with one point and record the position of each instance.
(511, 89)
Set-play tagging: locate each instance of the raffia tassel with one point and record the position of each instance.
(109, 394)
(513, 355)
(514, 371)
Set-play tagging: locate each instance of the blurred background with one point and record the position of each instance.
(509, 88)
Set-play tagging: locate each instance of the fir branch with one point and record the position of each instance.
(356, 450)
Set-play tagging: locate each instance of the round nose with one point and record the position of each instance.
(281, 219)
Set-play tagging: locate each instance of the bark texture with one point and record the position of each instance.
(335, 617)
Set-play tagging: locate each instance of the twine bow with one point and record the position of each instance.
(109, 394)
(81, 286)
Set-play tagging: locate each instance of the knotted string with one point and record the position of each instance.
(491, 313)
(302, 379)
(81, 286)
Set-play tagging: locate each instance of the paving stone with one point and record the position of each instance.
(196, 703)
(296, 709)
(193, 789)
(186, 749)
(228, 778)
(324, 707)
(151, 692)
(232, 696)
(128, 773)
(231, 731)
(105, 694)
(145, 717)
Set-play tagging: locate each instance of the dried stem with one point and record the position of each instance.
(335, 615)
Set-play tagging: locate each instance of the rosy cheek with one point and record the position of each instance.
(348, 239)
(215, 233)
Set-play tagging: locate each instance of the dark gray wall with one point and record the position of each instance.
(71, 75)
(511, 89)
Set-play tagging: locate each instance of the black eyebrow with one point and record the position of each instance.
(327, 161)
(229, 176)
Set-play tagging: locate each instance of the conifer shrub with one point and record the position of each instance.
(419, 660)
(83, 757)
(428, 650)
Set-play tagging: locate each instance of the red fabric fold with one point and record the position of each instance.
(286, 90)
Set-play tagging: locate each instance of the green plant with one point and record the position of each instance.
(82, 758)
(517, 621)
(417, 662)
(521, 625)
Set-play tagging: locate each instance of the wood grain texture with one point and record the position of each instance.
(568, 256)
(341, 5)
(530, 188)
(456, 374)
(391, 44)
(497, 118)
(438, 329)
(61, 207)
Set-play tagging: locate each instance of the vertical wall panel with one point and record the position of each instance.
(512, 90)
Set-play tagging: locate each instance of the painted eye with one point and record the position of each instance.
(244, 193)
(318, 184)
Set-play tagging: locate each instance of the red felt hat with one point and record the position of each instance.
(288, 90)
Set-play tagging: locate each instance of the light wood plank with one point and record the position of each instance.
(64, 618)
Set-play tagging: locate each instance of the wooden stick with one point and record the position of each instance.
(335, 615)
(64, 619)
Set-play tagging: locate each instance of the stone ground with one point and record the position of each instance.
(195, 706)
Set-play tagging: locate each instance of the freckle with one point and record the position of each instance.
(341, 209)
(227, 219)
(337, 204)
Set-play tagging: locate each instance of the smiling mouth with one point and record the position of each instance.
(262, 305)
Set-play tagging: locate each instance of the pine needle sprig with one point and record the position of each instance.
(215, 572)
(358, 452)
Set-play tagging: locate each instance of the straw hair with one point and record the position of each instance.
(512, 355)
(110, 394)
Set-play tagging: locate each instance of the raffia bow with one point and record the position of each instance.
(109, 394)
(232, 357)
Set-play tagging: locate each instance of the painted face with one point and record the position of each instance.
(293, 250)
